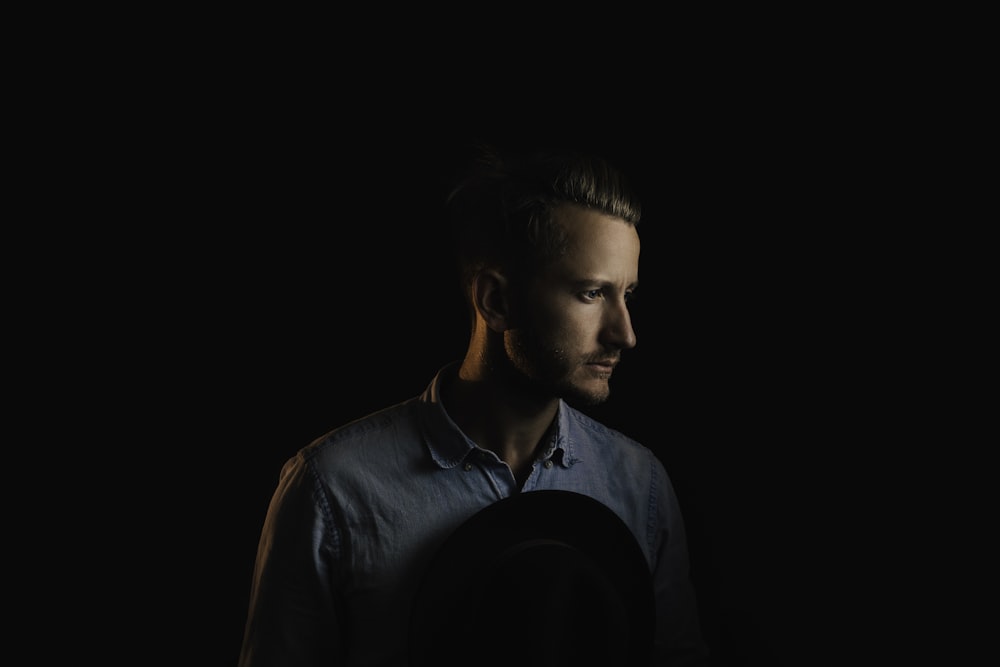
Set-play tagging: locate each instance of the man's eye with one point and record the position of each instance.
(629, 296)
(592, 294)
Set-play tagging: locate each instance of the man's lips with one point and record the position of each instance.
(604, 364)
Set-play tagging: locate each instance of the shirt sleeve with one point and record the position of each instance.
(678, 640)
(294, 615)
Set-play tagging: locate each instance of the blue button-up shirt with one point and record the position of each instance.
(358, 514)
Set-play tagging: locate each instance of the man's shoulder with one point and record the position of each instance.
(389, 424)
(590, 438)
(581, 423)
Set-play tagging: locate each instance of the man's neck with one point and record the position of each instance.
(496, 417)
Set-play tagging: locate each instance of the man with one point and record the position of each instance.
(548, 257)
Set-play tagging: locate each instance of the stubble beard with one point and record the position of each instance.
(547, 369)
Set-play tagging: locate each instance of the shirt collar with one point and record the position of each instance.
(447, 444)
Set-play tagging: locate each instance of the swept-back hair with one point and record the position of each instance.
(501, 211)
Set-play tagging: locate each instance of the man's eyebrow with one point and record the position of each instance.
(603, 284)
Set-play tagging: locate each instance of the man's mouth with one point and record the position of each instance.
(604, 365)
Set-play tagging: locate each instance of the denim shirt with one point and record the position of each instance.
(359, 512)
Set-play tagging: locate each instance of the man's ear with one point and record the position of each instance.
(491, 298)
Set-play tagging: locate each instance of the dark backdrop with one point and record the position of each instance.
(230, 247)
(309, 286)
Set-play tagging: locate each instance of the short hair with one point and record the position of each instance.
(501, 211)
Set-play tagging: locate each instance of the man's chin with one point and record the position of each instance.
(586, 395)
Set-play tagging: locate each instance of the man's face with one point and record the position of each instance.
(570, 331)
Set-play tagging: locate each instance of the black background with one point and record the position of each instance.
(225, 243)
(330, 296)
(295, 278)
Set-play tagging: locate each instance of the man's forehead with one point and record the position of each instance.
(590, 230)
(600, 249)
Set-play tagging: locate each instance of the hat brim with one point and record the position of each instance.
(542, 577)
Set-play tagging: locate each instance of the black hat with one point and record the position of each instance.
(538, 578)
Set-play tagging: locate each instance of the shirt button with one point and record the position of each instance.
(467, 467)
(548, 464)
